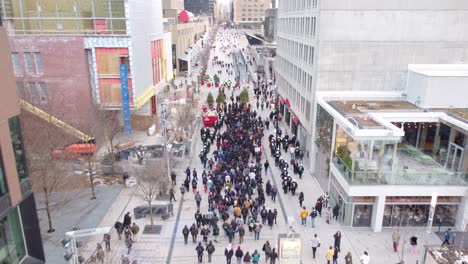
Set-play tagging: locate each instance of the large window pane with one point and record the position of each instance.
(28, 62)
(446, 214)
(12, 248)
(362, 215)
(17, 143)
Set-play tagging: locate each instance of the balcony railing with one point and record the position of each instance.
(400, 177)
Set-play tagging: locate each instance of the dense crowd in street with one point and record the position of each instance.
(232, 184)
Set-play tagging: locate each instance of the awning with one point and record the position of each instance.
(295, 119)
(287, 102)
(144, 97)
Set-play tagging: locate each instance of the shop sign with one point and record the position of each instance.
(289, 249)
(125, 99)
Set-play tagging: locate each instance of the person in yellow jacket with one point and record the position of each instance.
(329, 255)
(303, 215)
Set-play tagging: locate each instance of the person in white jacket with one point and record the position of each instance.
(364, 259)
(315, 243)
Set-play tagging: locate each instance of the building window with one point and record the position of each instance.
(28, 62)
(17, 143)
(32, 92)
(20, 89)
(38, 61)
(3, 188)
(43, 92)
(16, 63)
(11, 239)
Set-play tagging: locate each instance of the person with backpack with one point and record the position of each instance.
(239, 254)
(313, 215)
(255, 257)
(200, 250)
(210, 249)
(267, 249)
(185, 232)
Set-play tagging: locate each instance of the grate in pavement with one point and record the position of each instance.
(152, 230)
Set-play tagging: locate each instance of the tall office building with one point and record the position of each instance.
(250, 12)
(20, 236)
(360, 45)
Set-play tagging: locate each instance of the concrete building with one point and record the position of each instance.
(186, 36)
(20, 239)
(95, 37)
(397, 158)
(359, 45)
(250, 13)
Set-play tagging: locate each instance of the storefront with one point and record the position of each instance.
(294, 123)
(414, 211)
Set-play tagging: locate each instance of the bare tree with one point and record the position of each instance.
(107, 128)
(151, 180)
(47, 163)
(183, 120)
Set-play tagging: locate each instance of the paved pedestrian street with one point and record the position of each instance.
(169, 247)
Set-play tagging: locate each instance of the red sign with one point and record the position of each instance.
(287, 102)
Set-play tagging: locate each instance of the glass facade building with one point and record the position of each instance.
(383, 172)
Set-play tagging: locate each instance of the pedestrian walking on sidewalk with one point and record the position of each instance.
(194, 232)
(257, 229)
(329, 255)
(303, 215)
(200, 250)
(364, 259)
(447, 236)
(239, 254)
(267, 249)
(173, 178)
(247, 258)
(348, 258)
(228, 252)
(266, 165)
(335, 255)
(255, 257)
(185, 232)
(107, 240)
(128, 244)
(273, 256)
(413, 244)
(313, 215)
(315, 243)
(135, 229)
(274, 191)
(210, 249)
(337, 238)
(301, 198)
(396, 240)
(171, 195)
(127, 220)
(328, 215)
(198, 199)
